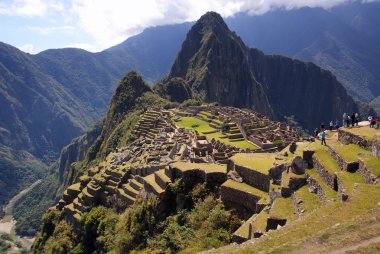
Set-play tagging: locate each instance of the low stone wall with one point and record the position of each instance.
(328, 178)
(366, 174)
(342, 191)
(245, 203)
(314, 187)
(273, 223)
(195, 176)
(350, 166)
(348, 138)
(376, 148)
(254, 178)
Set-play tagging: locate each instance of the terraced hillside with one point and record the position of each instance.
(281, 197)
(328, 202)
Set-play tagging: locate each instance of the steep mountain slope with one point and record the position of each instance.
(214, 64)
(214, 61)
(343, 40)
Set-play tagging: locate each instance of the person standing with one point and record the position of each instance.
(323, 135)
(316, 132)
(344, 119)
(331, 125)
(337, 124)
(357, 119)
(352, 119)
(322, 126)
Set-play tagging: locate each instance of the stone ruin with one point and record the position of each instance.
(266, 190)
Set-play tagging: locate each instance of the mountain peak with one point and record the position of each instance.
(211, 18)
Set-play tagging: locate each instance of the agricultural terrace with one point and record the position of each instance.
(203, 128)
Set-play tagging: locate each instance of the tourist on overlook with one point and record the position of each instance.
(373, 122)
(331, 125)
(352, 119)
(323, 142)
(344, 120)
(322, 126)
(357, 119)
(316, 132)
(377, 122)
(337, 124)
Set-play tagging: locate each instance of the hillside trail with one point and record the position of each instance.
(357, 245)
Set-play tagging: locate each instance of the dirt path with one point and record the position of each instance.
(357, 246)
(8, 208)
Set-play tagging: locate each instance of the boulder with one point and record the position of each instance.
(298, 165)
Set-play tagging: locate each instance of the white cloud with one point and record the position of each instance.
(27, 48)
(29, 8)
(110, 22)
(85, 46)
(54, 29)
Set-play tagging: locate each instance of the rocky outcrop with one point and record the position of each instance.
(213, 61)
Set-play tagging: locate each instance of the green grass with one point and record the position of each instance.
(330, 194)
(310, 201)
(261, 162)
(332, 219)
(349, 179)
(323, 156)
(258, 221)
(353, 152)
(364, 131)
(202, 166)
(248, 189)
(283, 208)
(204, 127)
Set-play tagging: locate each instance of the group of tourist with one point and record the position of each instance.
(352, 119)
(374, 122)
(348, 120)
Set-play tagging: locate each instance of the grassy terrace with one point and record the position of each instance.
(319, 232)
(283, 208)
(258, 221)
(310, 201)
(248, 189)
(330, 194)
(202, 166)
(203, 127)
(364, 131)
(261, 162)
(323, 156)
(352, 152)
(349, 180)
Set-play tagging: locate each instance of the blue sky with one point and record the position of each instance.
(94, 25)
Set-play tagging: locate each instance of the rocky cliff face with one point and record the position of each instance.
(218, 67)
(301, 89)
(213, 61)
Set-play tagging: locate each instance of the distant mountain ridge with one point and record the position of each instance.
(216, 65)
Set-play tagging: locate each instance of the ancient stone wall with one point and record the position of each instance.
(254, 178)
(328, 178)
(350, 166)
(348, 138)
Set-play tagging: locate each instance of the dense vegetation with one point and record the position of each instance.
(145, 227)
(18, 170)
